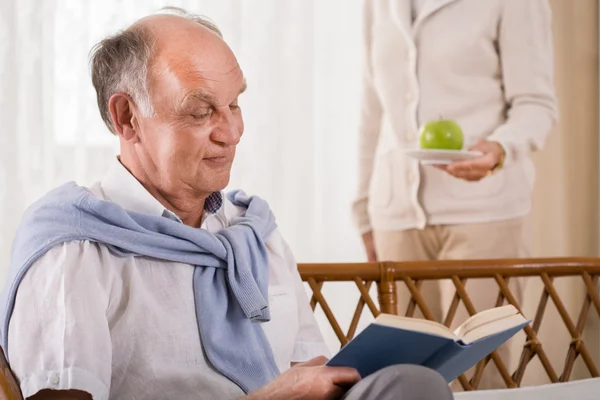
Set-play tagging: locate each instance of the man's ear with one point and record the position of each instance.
(124, 116)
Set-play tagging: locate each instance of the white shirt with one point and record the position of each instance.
(125, 327)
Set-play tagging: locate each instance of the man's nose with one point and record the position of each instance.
(228, 129)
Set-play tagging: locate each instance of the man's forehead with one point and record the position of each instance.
(195, 54)
(214, 80)
(208, 73)
(190, 75)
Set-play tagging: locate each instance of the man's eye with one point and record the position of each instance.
(203, 115)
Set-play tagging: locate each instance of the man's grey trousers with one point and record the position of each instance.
(401, 382)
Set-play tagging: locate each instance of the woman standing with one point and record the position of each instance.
(488, 65)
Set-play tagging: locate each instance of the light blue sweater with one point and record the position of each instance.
(230, 280)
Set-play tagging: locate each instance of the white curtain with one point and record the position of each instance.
(301, 61)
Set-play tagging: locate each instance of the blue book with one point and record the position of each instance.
(392, 339)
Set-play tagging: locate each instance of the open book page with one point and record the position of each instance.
(415, 324)
(492, 328)
(485, 317)
(480, 325)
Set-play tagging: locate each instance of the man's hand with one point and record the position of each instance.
(310, 380)
(478, 168)
(369, 246)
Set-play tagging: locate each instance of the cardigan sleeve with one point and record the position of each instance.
(369, 126)
(526, 55)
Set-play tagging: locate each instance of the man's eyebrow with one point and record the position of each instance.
(199, 95)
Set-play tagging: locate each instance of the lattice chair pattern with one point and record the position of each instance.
(363, 276)
(9, 388)
(386, 274)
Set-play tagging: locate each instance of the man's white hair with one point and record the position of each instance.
(119, 63)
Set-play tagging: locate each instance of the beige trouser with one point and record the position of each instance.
(502, 239)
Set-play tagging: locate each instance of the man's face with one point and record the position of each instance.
(189, 144)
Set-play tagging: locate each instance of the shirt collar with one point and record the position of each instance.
(122, 188)
(213, 203)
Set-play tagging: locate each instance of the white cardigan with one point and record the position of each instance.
(488, 64)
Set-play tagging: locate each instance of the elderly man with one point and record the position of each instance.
(153, 285)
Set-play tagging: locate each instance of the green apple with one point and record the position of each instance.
(442, 134)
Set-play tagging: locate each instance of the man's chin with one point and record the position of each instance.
(218, 183)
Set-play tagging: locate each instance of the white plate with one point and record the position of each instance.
(441, 157)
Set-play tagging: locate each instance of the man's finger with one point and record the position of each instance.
(337, 392)
(343, 376)
(320, 360)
